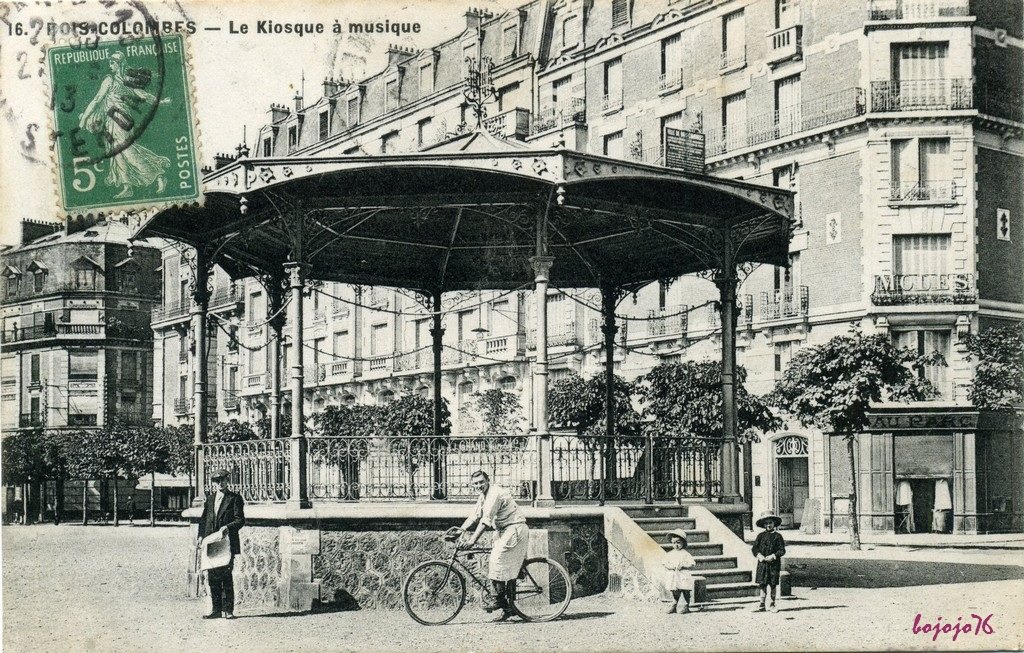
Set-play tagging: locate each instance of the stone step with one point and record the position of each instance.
(692, 537)
(700, 549)
(731, 590)
(654, 511)
(662, 534)
(670, 522)
(714, 562)
(725, 576)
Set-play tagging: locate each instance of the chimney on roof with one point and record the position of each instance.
(298, 102)
(396, 54)
(220, 160)
(475, 17)
(83, 221)
(278, 112)
(32, 229)
(332, 86)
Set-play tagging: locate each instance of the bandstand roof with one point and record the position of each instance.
(466, 215)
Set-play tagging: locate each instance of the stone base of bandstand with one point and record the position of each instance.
(352, 556)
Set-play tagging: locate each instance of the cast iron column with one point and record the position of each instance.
(609, 329)
(436, 343)
(541, 269)
(726, 282)
(275, 300)
(198, 309)
(299, 493)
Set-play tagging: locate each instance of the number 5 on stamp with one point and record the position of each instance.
(123, 124)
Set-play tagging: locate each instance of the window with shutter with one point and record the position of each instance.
(570, 31)
(510, 42)
(787, 105)
(426, 79)
(620, 12)
(734, 51)
(613, 145)
(671, 61)
(325, 125)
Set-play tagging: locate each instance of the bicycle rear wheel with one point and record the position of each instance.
(542, 591)
(434, 593)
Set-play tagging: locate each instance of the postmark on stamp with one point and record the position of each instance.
(124, 131)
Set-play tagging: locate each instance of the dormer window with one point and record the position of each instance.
(83, 273)
(293, 138)
(13, 284)
(391, 95)
(510, 42)
(128, 277)
(353, 111)
(324, 127)
(426, 78)
(38, 273)
(268, 146)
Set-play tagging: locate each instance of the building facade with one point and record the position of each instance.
(898, 124)
(77, 343)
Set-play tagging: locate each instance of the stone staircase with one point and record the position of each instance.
(726, 576)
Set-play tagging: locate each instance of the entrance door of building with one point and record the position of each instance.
(792, 489)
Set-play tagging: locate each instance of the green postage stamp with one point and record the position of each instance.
(123, 124)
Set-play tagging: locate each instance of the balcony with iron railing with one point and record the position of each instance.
(563, 333)
(668, 321)
(670, 80)
(935, 191)
(35, 332)
(414, 361)
(182, 405)
(459, 352)
(785, 44)
(610, 103)
(171, 310)
(922, 95)
(999, 101)
(514, 123)
(734, 59)
(812, 114)
(654, 155)
(915, 10)
(785, 304)
(563, 114)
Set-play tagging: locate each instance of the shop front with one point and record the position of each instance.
(935, 469)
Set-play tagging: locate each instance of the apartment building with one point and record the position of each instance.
(77, 343)
(898, 123)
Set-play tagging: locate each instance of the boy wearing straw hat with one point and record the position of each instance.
(769, 547)
(679, 581)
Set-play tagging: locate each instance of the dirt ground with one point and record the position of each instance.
(69, 588)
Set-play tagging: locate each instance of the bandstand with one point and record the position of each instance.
(470, 214)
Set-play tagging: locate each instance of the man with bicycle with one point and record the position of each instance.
(495, 508)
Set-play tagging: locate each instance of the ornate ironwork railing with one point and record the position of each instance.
(573, 111)
(917, 9)
(781, 305)
(586, 468)
(922, 95)
(417, 468)
(671, 320)
(514, 123)
(922, 191)
(258, 469)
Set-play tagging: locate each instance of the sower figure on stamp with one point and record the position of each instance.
(497, 509)
(223, 511)
(769, 547)
(111, 115)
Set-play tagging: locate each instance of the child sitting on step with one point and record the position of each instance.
(769, 547)
(679, 581)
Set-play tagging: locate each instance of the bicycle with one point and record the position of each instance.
(434, 592)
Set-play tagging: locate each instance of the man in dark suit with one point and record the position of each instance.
(223, 511)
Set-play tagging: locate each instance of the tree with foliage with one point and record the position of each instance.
(685, 400)
(580, 405)
(263, 425)
(232, 431)
(999, 373)
(832, 386)
(146, 451)
(500, 412)
(181, 450)
(352, 427)
(21, 462)
(90, 456)
(413, 415)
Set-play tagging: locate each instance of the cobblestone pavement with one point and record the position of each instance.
(70, 588)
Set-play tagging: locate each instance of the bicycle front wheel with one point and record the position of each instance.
(434, 593)
(543, 590)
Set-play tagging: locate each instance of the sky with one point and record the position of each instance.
(236, 76)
